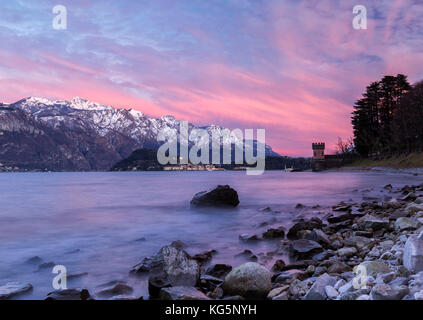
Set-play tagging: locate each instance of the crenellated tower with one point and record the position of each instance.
(318, 151)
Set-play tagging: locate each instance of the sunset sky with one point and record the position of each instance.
(292, 67)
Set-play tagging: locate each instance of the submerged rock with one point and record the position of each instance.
(77, 275)
(249, 280)
(248, 237)
(116, 290)
(274, 233)
(221, 196)
(172, 266)
(248, 255)
(34, 260)
(182, 293)
(46, 265)
(69, 294)
(12, 289)
(204, 257)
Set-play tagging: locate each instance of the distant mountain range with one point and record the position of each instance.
(77, 134)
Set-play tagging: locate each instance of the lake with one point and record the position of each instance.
(103, 223)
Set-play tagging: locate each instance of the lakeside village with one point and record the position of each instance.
(320, 161)
(146, 160)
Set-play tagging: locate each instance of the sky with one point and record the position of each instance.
(291, 67)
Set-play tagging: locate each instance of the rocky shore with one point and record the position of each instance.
(371, 250)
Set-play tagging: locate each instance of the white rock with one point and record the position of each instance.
(339, 284)
(418, 295)
(331, 292)
(414, 208)
(413, 253)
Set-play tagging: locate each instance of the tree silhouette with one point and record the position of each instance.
(380, 116)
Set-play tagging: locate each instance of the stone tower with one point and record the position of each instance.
(319, 151)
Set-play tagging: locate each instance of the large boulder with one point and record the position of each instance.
(413, 253)
(172, 266)
(373, 268)
(12, 289)
(221, 196)
(182, 293)
(249, 280)
(317, 290)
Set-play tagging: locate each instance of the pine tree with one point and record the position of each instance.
(376, 116)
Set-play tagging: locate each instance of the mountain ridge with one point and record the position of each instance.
(77, 134)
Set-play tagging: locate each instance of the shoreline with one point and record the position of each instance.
(412, 171)
(370, 234)
(417, 170)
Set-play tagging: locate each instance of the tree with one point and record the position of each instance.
(373, 118)
(366, 120)
(345, 147)
(408, 119)
(392, 89)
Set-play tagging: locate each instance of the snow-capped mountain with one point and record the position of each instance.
(81, 135)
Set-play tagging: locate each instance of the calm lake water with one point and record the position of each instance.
(95, 222)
